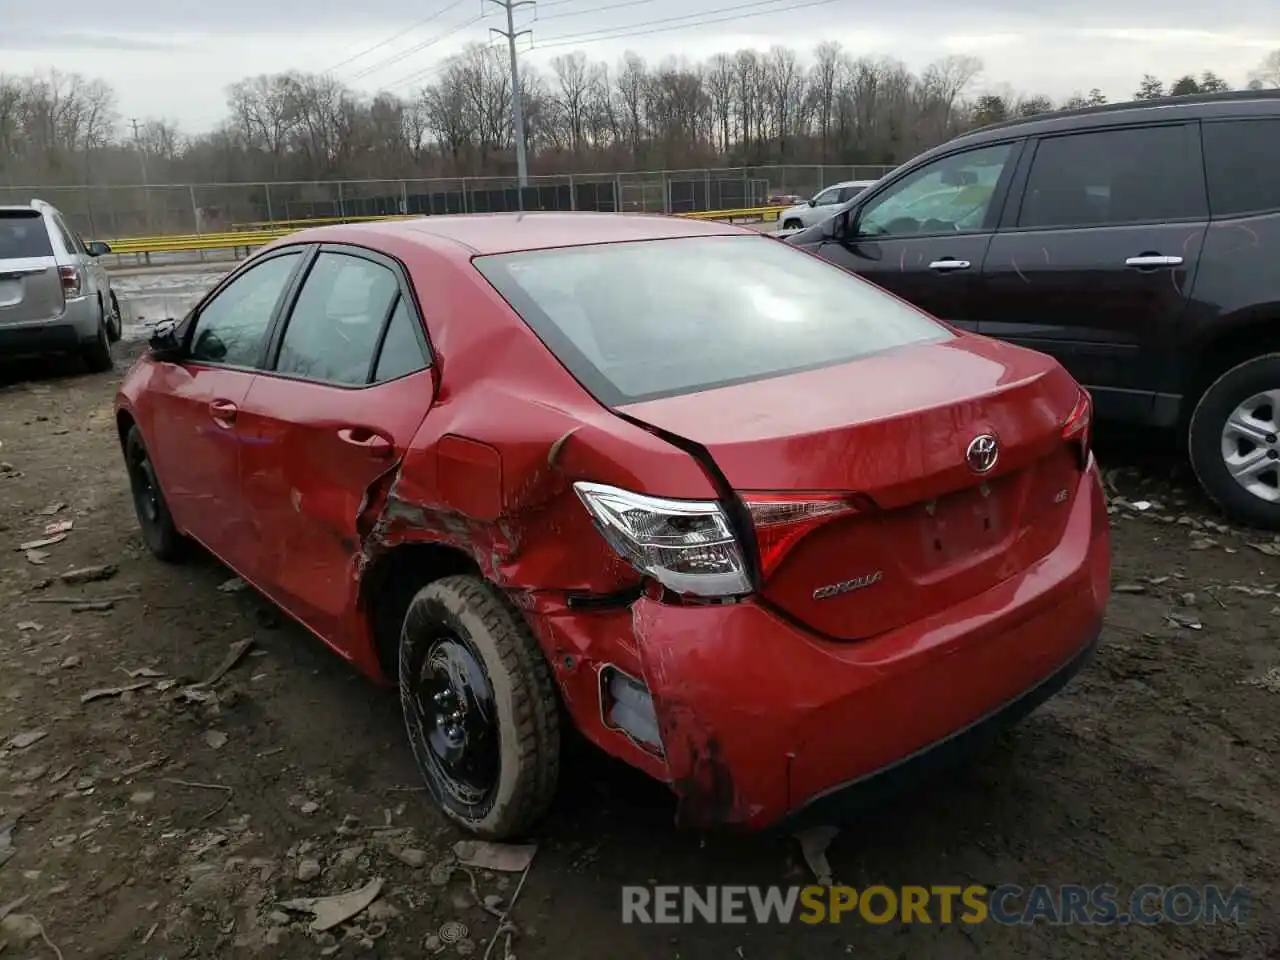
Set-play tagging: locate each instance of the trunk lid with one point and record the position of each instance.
(904, 525)
(30, 287)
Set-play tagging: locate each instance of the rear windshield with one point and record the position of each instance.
(22, 235)
(640, 320)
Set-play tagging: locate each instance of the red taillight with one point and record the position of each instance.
(782, 520)
(1077, 427)
(70, 281)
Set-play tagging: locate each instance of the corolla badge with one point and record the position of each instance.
(983, 452)
(848, 586)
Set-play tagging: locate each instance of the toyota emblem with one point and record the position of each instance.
(982, 454)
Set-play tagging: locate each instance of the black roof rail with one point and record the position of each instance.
(1190, 99)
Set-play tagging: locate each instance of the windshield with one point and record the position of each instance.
(640, 320)
(23, 235)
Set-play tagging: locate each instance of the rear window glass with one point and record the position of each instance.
(1241, 158)
(636, 321)
(23, 235)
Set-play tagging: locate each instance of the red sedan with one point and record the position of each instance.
(761, 529)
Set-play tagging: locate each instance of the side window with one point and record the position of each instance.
(1241, 158)
(827, 197)
(1141, 175)
(401, 352)
(232, 327)
(333, 330)
(950, 195)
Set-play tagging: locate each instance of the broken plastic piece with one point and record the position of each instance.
(503, 857)
(331, 911)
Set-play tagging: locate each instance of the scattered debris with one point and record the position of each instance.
(196, 785)
(503, 857)
(1182, 620)
(51, 509)
(24, 928)
(234, 656)
(118, 598)
(94, 574)
(24, 740)
(27, 626)
(93, 606)
(215, 739)
(504, 924)
(328, 912)
(100, 692)
(33, 545)
(143, 672)
(308, 870)
(38, 557)
(1129, 588)
(142, 797)
(234, 585)
(57, 527)
(309, 808)
(1269, 681)
(1270, 549)
(412, 857)
(813, 847)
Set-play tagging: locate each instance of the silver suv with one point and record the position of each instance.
(55, 296)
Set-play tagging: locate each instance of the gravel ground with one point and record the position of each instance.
(149, 823)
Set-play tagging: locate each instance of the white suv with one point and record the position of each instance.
(822, 205)
(55, 296)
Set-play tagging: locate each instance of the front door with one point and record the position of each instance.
(924, 236)
(1095, 264)
(193, 419)
(349, 388)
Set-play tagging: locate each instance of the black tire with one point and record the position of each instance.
(792, 225)
(463, 628)
(154, 520)
(1205, 441)
(97, 355)
(115, 322)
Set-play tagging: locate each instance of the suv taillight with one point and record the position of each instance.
(71, 284)
(1079, 425)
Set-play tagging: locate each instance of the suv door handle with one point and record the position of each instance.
(1153, 260)
(364, 438)
(947, 263)
(223, 411)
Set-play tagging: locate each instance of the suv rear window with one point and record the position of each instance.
(1241, 159)
(639, 320)
(22, 235)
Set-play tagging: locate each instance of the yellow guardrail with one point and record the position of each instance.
(255, 235)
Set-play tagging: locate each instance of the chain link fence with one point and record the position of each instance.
(116, 212)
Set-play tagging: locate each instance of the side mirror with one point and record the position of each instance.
(812, 201)
(164, 342)
(97, 248)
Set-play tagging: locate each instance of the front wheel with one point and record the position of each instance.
(1234, 441)
(792, 225)
(115, 322)
(479, 706)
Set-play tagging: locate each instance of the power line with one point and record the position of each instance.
(580, 13)
(635, 29)
(404, 54)
(418, 75)
(396, 36)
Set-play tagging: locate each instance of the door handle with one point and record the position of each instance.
(1153, 260)
(366, 439)
(949, 264)
(223, 411)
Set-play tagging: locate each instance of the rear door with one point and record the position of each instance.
(192, 419)
(1095, 262)
(30, 287)
(924, 236)
(348, 387)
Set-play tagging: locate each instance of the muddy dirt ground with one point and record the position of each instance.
(146, 823)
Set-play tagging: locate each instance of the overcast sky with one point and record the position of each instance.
(175, 58)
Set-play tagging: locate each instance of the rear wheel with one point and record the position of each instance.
(154, 520)
(1234, 441)
(479, 707)
(791, 225)
(115, 323)
(97, 354)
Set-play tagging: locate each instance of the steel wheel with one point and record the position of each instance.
(454, 709)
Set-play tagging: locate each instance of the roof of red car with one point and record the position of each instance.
(483, 233)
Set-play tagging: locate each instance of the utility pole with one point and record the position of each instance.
(146, 182)
(517, 99)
